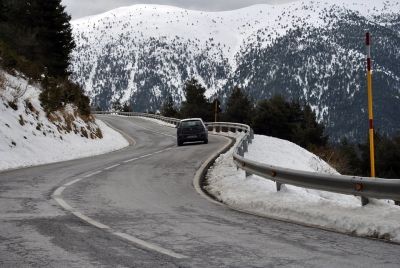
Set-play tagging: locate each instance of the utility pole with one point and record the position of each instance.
(370, 110)
(217, 109)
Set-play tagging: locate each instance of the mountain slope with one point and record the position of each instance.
(307, 50)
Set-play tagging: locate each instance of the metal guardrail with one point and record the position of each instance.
(351, 185)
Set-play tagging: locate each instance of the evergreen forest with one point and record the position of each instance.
(36, 40)
(293, 121)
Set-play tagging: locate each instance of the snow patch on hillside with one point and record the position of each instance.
(28, 137)
(343, 213)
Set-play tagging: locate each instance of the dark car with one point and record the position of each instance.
(192, 129)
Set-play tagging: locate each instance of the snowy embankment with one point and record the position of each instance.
(254, 194)
(158, 121)
(28, 137)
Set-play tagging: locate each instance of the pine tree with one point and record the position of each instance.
(387, 156)
(168, 108)
(272, 118)
(290, 121)
(54, 35)
(116, 106)
(238, 108)
(3, 11)
(196, 104)
(307, 132)
(40, 31)
(127, 107)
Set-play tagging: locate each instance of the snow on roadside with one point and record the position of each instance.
(160, 122)
(343, 213)
(28, 137)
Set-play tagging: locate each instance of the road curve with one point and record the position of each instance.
(144, 195)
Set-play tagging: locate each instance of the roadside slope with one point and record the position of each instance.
(29, 137)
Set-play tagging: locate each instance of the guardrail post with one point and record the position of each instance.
(364, 201)
(244, 146)
(249, 139)
(278, 186)
(240, 151)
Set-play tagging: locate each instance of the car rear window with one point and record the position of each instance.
(192, 123)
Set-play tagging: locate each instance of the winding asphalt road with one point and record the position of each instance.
(137, 207)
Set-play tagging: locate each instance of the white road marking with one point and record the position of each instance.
(63, 204)
(71, 182)
(57, 197)
(59, 191)
(146, 155)
(130, 160)
(92, 174)
(162, 150)
(113, 166)
(99, 225)
(131, 140)
(150, 246)
(90, 220)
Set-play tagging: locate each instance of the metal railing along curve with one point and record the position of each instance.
(365, 187)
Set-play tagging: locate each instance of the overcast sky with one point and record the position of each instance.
(81, 8)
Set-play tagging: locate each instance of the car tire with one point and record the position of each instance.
(180, 143)
(205, 141)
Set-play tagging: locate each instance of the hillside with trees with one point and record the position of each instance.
(292, 121)
(36, 41)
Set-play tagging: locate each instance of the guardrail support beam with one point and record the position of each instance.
(245, 147)
(364, 201)
(278, 186)
(240, 151)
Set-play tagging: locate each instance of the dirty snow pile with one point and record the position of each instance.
(343, 213)
(28, 137)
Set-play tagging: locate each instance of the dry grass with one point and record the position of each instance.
(21, 120)
(2, 82)
(30, 107)
(87, 118)
(98, 133)
(334, 158)
(65, 122)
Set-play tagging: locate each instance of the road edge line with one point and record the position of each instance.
(199, 177)
(129, 139)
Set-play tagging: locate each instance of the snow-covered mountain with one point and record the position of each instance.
(312, 51)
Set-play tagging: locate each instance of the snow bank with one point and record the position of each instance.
(343, 213)
(160, 122)
(28, 137)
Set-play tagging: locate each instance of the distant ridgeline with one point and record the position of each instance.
(311, 51)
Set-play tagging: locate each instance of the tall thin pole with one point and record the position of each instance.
(215, 110)
(364, 200)
(370, 108)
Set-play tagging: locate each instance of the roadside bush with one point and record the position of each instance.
(11, 61)
(58, 92)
